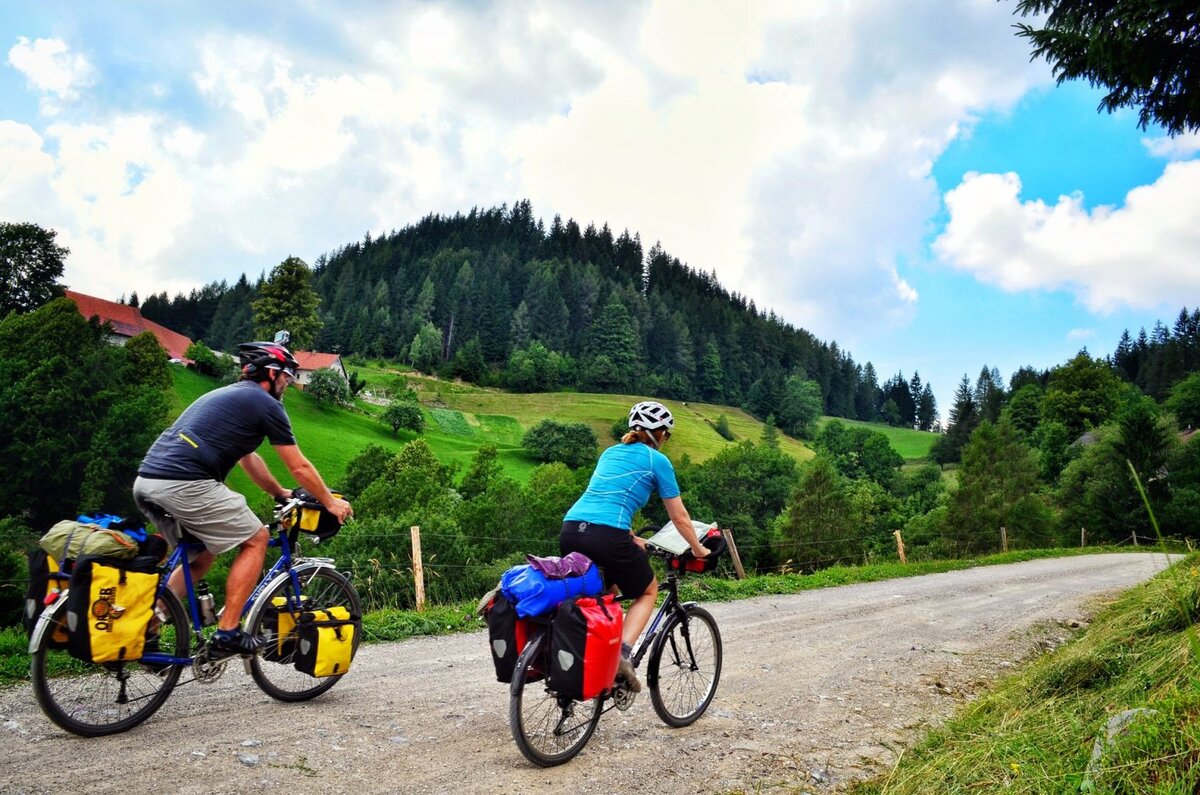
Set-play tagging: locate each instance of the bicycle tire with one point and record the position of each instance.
(322, 588)
(536, 713)
(683, 684)
(96, 699)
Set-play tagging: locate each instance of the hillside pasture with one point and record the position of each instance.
(911, 445)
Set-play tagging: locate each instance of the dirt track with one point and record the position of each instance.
(818, 688)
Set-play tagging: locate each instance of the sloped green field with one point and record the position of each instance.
(911, 445)
(459, 418)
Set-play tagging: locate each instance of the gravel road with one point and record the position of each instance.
(818, 688)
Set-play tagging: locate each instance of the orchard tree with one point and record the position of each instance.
(31, 264)
(203, 356)
(403, 414)
(287, 300)
(326, 386)
(574, 444)
(1145, 53)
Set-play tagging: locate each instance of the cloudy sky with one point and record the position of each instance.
(897, 177)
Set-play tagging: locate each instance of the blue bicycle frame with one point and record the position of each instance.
(179, 557)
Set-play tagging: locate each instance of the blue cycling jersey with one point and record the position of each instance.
(625, 477)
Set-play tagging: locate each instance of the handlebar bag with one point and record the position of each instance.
(585, 646)
(325, 641)
(279, 626)
(109, 606)
(535, 594)
(312, 517)
(716, 544)
(507, 635)
(44, 579)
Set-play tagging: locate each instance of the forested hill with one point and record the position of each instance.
(494, 297)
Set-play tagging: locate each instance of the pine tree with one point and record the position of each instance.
(926, 409)
(288, 301)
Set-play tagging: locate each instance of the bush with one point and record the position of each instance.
(574, 444)
(722, 427)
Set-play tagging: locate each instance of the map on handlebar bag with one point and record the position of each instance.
(669, 538)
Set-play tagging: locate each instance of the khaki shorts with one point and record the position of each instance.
(211, 511)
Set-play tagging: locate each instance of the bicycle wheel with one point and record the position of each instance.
(94, 699)
(548, 728)
(320, 588)
(684, 667)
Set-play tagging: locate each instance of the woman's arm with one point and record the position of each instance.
(683, 523)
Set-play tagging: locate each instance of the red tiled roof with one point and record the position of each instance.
(128, 322)
(310, 360)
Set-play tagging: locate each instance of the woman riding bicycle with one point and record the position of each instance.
(599, 524)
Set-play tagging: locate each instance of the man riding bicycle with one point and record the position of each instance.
(599, 523)
(180, 485)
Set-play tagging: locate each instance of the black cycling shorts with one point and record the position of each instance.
(613, 550)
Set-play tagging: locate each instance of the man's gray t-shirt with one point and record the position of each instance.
(217, 431)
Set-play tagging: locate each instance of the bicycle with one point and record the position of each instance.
(682, 673)
(95, 699)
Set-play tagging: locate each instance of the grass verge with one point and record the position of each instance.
(1037, 731)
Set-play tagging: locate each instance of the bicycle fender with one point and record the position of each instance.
(44, 621)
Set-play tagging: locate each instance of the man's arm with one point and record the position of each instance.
(307, 476)
(683, 523)
(256, 468)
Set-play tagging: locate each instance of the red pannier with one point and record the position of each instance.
(507, 635)
(716, 544)
(585, 646)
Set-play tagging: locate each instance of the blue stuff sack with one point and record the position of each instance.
(534, 594)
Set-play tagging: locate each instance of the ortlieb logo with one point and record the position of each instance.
(106, 610)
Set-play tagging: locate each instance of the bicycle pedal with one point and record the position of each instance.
(623, 697)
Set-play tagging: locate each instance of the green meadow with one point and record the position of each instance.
(459, 418)
(911, 445)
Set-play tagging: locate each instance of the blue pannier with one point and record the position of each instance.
(534, 594)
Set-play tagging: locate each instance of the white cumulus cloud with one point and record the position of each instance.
(1141, 254)
(49, 66)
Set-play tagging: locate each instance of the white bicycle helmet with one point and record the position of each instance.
(650, 415)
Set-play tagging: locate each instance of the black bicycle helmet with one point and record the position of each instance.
(258, 357)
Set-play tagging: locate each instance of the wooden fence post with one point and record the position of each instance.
(1003, 539)
(900, 548)
(733, 553)
(418, 569)
(1134, 535)
(1082, 537)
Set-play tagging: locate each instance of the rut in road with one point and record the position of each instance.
(818, 688)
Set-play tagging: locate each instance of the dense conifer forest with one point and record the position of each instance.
(494, 297)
